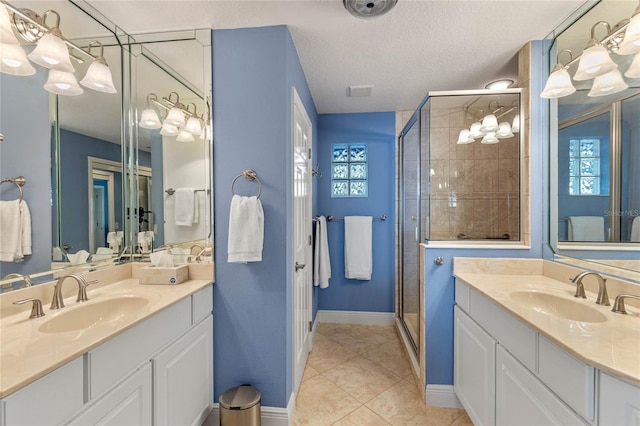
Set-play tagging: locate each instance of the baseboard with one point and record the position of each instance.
(356, 317)
(269, 416)
(442, 396)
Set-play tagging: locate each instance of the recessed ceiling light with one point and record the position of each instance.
(505, 83)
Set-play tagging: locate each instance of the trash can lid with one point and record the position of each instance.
(240, 398)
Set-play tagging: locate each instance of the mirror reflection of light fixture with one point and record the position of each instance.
(185, 136)
(595, 59)
(168, 130)
(13, 60)
(474, 130)
(149, 118)
(193, 123)
(607, 84)
(631, 42)
(175, 117)
(51, 51)
(504, 132)
(62, 83)
(634, 68)
(559, 82)
(98, 75)
(489, 124)
(515, 125)
(489, 138)
(465, 137)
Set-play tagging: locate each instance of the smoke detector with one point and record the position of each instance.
(367, 9)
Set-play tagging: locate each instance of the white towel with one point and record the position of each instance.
(357, 247)
(321, 260)
(15, 231)
(185, 206)
(635, 230)
(246, 230)
(586, 228)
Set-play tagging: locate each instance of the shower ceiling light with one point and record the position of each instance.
(499, 84)
(367, 9)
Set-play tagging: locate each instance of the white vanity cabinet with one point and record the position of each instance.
(159, 372)
(532, 382)
(619, 402)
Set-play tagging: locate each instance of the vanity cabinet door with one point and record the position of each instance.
(183, 378)
(474, 369)
(619, 402)
(521, 399)
(129, 403)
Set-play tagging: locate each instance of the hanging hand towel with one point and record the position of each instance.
(15, 231)
(185, 206)
(321, 260)
(246, 230)
(635, 230)
(586, 228)
(357, 247)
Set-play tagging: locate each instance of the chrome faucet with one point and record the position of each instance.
(618, 304)
(603, 297)
(57, 302)
(27, 280)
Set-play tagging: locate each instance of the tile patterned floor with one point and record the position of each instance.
(360, 375)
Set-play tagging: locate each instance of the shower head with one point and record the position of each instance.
(367, 9)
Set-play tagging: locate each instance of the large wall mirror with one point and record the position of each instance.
(595, 149)
(95, 180)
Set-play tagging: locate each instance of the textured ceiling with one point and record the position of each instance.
(419, 46)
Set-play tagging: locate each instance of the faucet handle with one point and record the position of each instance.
(618, 304)
(577, 280)
(36, 308)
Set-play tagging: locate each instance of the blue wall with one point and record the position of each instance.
(253, 71)
(439, 288)
(377, 130)
(24, 122)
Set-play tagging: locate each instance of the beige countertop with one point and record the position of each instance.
(612, 345)
(27, 353)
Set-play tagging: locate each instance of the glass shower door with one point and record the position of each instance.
(410, 233)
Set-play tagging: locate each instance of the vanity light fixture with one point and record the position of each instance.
(490, 138)
(62, 83)
(51, 51)
(504, 132)
(13, 60)
(515, 125)
(489, 130)
(464, 137)
(193, 123)
(175, 117)
(595, 62)
(98, 76)
(474, 130)
(185, 136)
(149, 118)
(168, 130)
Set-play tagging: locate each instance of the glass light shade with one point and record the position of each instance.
(206, 132)
(464, 137)
(51, 52)
(63, 83)
(504, 132)
(634, 68)
(168, 130)
(99, 78)
(489, 123)
(490, 138)
(515, 126)
(175, 117)
(185, 136)
(193, 126)
(14, 61)
(149, 119)
(594, 61)
(558, 85)
(631, 42)
(607, 84)
(475, 131)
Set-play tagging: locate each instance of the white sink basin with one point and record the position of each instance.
(92, 313)
(557, 306)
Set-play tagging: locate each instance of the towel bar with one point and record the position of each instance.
(334, 218)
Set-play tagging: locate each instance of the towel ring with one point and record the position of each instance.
(248, 175)
(18, 181)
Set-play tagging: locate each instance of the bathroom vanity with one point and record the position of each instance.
(527, 352)
(150, 362)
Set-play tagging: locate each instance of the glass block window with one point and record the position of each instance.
(584, 166)
(349, 170)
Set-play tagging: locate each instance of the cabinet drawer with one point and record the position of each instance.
(202, 304)
(513, 334)
(57, 396)
(113, 360)
(571, 379)
(462, 295)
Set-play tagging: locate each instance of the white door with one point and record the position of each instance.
(302, 285)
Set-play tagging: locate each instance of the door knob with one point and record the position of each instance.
(300, 266)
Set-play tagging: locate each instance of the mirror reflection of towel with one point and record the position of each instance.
(185, 207)
(586, 228)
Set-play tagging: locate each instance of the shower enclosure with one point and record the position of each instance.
(459, 183)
